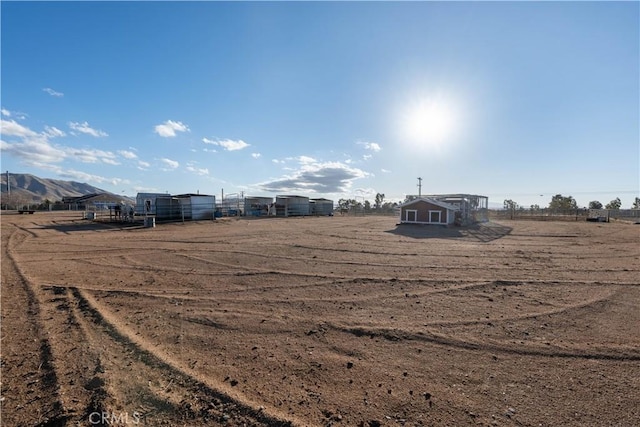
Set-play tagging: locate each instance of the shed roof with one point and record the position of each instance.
(431, 201)
(193, 195)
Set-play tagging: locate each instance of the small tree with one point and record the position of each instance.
(389, 206)
(560, 203)
(636, 203)
(379, 201)
(511, 207)
(614, 204)
(343, 204)
(595, 205)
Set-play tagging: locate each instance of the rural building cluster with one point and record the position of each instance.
(434, 209)
(195, 207)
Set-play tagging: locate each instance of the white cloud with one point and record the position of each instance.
(128, 154)
(300, 159)
(15, 114)
(171, 164)
(305, 160)
(53, 92)
(256, 155)
(143, 165)
(36, 148)
(373, 146)
(82, 176)
(385, 171)
(87, 177)
(169, 128)
(198, 171)
(85, 128)
(316, 177)
(10, 127)
(53, 132)
(367, 156)
(227, 144)
(32, 147)
(86, 155)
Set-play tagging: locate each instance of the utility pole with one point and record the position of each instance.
(8, 192)
(419, 187)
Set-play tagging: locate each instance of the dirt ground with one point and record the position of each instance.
(343, 321)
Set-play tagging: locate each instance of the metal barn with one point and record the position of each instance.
(146, 203)
(321, 207)
(164, 206)
(292, 205)
(197, 207)
(168, 208)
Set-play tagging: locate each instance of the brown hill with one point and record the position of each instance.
(26, 188)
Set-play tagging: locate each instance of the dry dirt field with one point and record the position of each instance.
(343, 321)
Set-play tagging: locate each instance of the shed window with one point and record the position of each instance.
(434, 216)
(411, 215)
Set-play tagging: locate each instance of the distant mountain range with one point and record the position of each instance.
(32, 189)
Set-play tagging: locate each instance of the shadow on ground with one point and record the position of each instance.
(85, 225)
(482, 232)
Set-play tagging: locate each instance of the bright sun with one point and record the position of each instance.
(429, 123)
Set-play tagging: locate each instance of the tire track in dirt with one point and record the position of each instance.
(81, 386)
(371, 264)
(452, 286)
(208, 402)
(132, 265)
(25, 230)
(449, 341)
(32, 397)
(71, 363)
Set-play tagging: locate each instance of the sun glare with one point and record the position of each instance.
(429, 123)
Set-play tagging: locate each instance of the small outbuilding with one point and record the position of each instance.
(427, 211)
(445, 209)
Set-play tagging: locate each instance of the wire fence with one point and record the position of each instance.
(580, 214)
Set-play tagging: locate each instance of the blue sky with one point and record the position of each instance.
(326, 99)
